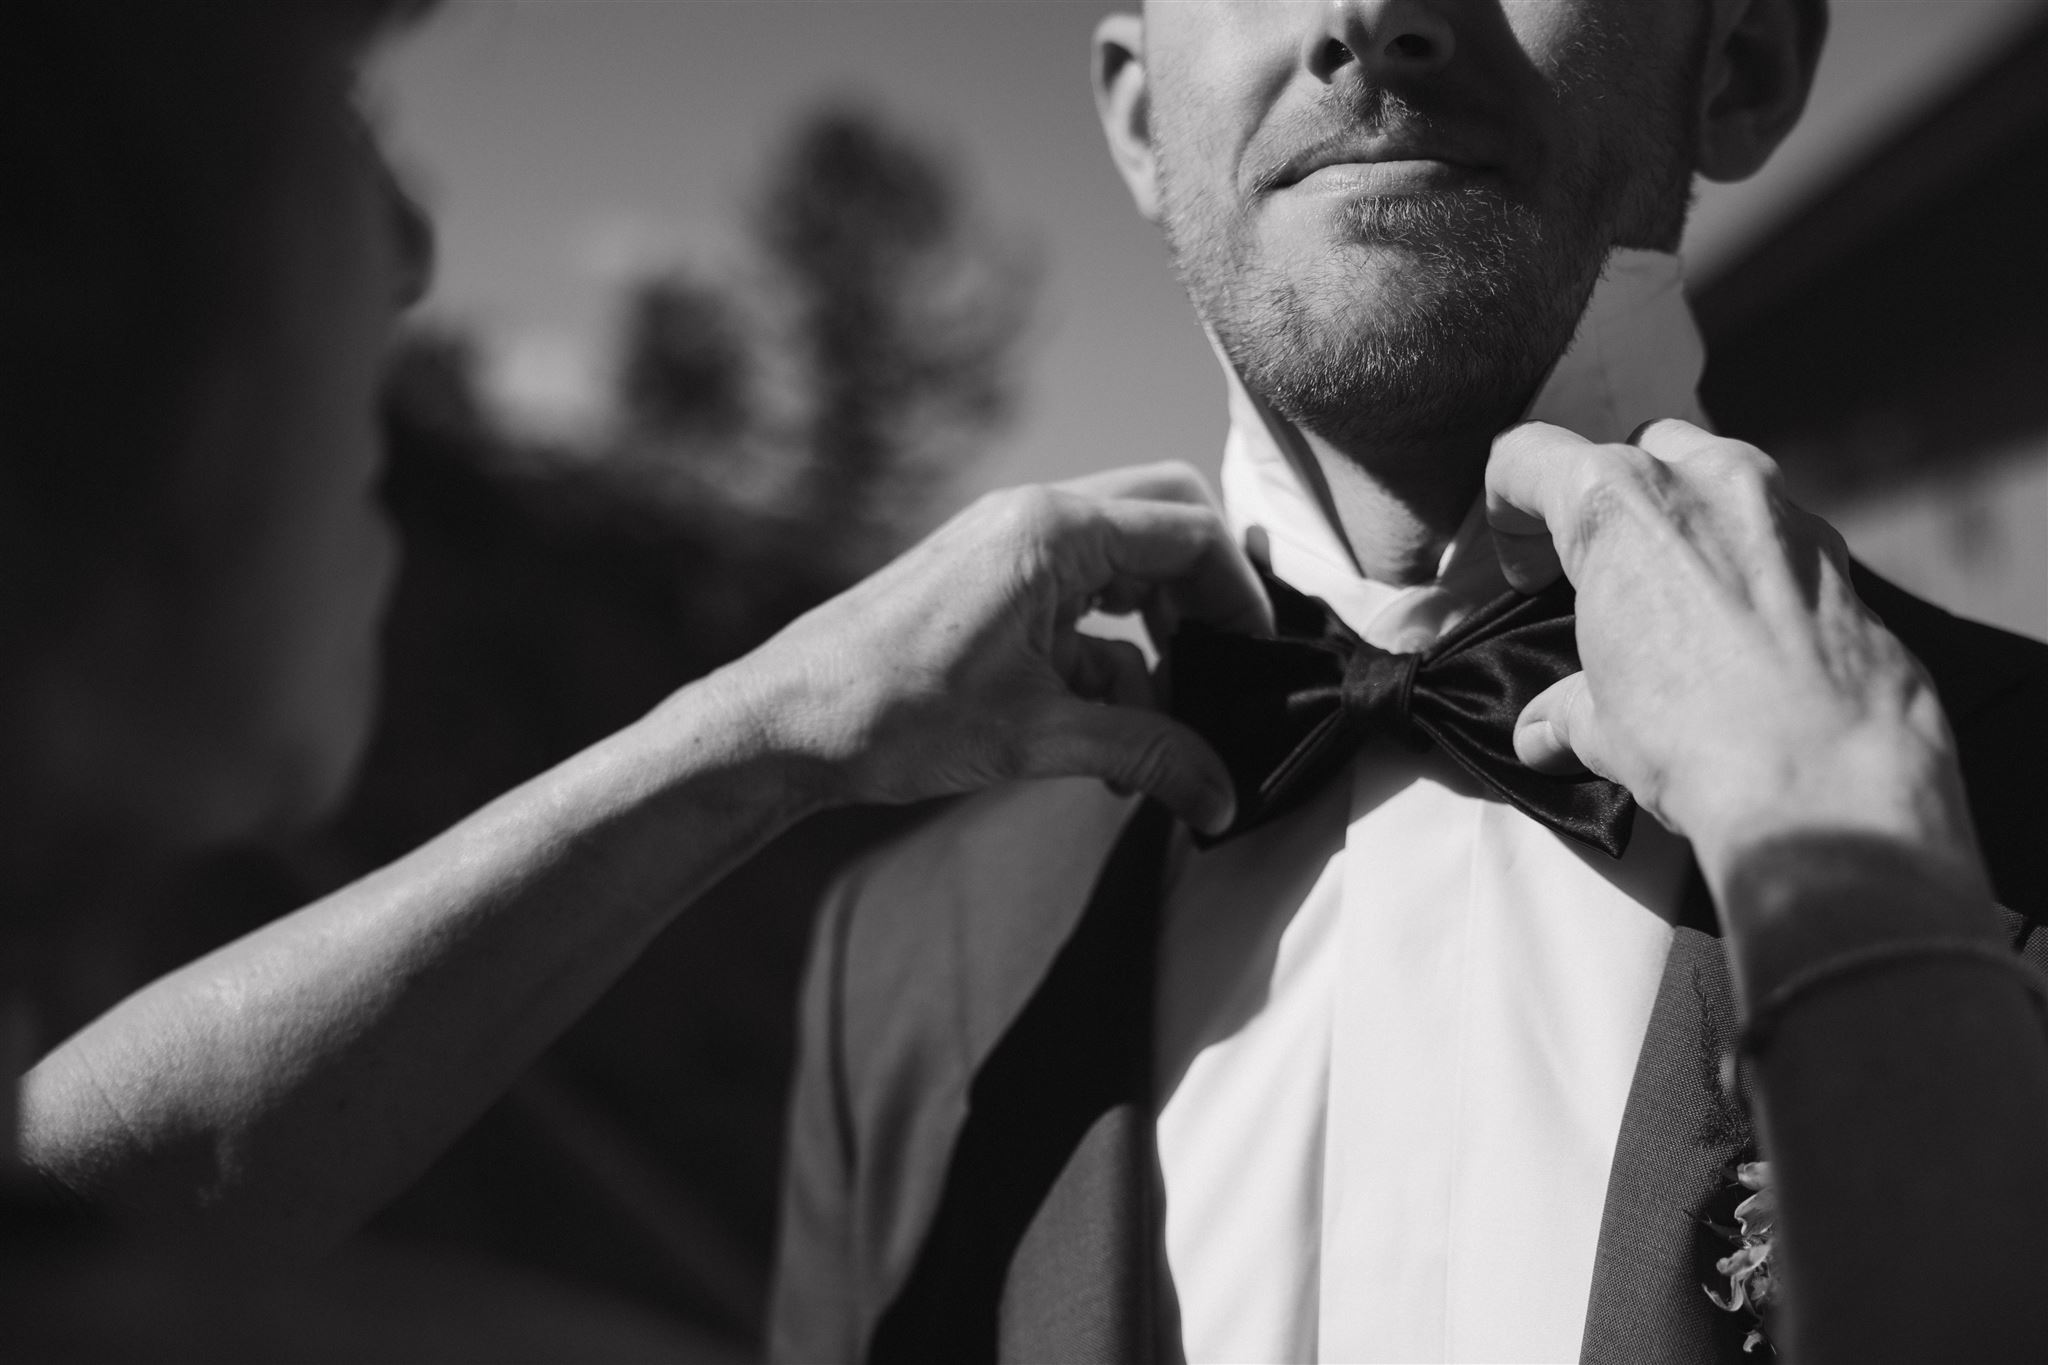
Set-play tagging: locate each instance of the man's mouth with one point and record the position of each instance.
(1405, 175)
(1379, 164)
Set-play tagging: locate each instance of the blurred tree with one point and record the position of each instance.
(685, 369)
(869, 353)
(910, 307)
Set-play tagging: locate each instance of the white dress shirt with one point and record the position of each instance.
(1397, 1027)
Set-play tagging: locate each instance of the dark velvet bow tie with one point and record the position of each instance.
(1287, 713)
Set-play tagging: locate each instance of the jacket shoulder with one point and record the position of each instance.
(925, 951)
(1993, 685)
(974, 902)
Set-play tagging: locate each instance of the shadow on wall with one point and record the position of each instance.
(775, 436)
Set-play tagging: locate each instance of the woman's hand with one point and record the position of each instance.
(1737, 686)
(958, 666)
(1733, 682)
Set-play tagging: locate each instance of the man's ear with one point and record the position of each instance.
(1760, 60)
(1124, 105)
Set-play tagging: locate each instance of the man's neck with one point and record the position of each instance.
(1389, 508)
(1399, 507)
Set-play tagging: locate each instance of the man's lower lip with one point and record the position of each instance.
(1385, 177)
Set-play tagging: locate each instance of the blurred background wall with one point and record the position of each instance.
(736, 297)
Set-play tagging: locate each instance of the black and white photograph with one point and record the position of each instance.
(1060, 682)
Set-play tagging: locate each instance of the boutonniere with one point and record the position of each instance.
(1752, 1280)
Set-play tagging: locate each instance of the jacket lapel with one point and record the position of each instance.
(1681, 1132)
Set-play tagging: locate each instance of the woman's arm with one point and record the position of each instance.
(1904, 1101)
(1737, 687)
(286, 1085)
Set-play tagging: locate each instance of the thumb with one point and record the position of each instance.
(1556, 733)
(1135, 750)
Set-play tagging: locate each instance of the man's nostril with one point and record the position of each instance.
(1335, 55)
(1412, 47)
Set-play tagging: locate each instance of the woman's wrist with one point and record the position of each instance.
(1865, 842)
(1805, 897)
(1892, 786)
(763, 726)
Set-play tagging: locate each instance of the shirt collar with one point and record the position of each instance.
(1637, 355)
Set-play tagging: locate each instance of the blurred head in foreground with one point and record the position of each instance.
(204, 255)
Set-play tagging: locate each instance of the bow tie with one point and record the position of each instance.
(1287, 713)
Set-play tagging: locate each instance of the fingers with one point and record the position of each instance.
(1167, 481)
(1557, 733)
(1189, 552)
(1674, 438)
(1532, 484)
(1136, 751)
(1127, 539)
(1106, 670)
(1208, 575)
(1545, 486)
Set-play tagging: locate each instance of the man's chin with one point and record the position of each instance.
(1366, 297)
(1387, 350)
(1344, 281)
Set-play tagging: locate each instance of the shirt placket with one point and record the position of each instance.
(1396, 1038)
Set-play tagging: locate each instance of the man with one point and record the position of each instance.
(1399, 1073)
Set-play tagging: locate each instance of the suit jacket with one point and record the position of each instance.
(971, 1172)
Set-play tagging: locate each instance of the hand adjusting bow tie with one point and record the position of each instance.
(1287, 713)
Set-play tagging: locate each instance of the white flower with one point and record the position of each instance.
(1752, 1283)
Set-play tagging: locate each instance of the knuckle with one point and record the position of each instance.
(1185, 477)
(1615, 484)
(1746, 479)
(1634, 461)
(1658, 428)
(1738, 461)
(1761, 466)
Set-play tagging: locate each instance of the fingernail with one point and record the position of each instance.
(1535, 741)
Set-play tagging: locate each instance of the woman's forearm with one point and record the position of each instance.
(1736, 684)
(289, 1083)
(1903, 1090)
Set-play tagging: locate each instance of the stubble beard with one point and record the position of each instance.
(1492, 282)
(1490, 297)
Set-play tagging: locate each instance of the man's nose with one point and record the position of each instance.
(1388, 40)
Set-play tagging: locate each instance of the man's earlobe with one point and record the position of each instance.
(1123, 102)
(1760, 60)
